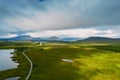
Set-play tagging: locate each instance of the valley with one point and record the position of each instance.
(84, 62)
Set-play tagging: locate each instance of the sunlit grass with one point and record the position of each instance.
(91, 62)
(101, 66)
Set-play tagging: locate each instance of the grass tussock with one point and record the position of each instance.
(91, 62)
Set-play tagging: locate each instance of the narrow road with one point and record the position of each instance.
(31, 66)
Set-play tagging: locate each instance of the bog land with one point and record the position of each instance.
(65, 61)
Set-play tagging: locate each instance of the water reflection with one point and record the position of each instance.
(6, 61)
(14, 78)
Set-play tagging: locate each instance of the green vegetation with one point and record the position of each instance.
(91, 62)
(20, 71)
(7, 45)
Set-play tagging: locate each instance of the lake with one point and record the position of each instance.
(6, 60)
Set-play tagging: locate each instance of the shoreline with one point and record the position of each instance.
(17, 59)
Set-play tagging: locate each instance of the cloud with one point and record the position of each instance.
(77, 13)
(45, 21)
(8, 36)
(81, 33)
(41, 15)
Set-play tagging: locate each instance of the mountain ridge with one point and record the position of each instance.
(99, 39)
(66, 39)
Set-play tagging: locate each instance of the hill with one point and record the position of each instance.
(100, 39)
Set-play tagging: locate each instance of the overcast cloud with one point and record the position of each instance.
(82, 17)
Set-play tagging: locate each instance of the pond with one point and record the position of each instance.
(14, 78)
(6, 61)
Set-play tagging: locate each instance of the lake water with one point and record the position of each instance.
(6, 60)
(14, 78)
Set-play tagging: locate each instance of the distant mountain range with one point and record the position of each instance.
(99, 39)
(66, 39)
(29, 38)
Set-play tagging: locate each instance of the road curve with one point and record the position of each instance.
(31, 66)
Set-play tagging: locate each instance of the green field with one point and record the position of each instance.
(91, 62)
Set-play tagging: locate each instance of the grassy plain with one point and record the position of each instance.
(91, 62)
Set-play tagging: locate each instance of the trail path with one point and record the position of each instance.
(31, 66)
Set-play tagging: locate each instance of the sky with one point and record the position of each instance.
(62, 18)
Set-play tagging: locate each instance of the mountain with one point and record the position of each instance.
(18, 38)
(57, 39)
(52, 38)
(25, 37)
(70, 39)
(29, 38)
(100, 39)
